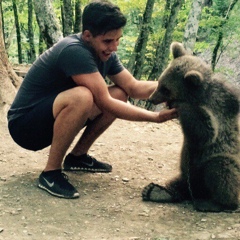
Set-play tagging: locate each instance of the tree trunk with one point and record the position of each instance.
(8, 79)
(18, 31)
(78, 17)
(67, 17)
(41, 44)
(208, 3)
(2, 19)
(216, 49)
(47, 22)
(138, 56)
(32, 52)
(163, 48)
(9, 39)
(191, 28)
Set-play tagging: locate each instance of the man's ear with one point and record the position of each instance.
(193, 78)
(87, 35)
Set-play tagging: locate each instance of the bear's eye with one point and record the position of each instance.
(178, 68)
(165, 91)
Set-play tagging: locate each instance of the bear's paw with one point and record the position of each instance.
(156, 193)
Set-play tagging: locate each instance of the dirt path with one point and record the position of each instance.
(110, 205)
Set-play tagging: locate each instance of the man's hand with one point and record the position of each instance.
(167, 114)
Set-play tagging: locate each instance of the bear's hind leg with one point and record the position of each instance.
(221, 176)
(207, 206)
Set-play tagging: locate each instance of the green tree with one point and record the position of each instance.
(224, 9)
(78, 16)
(31, 52)
(67, 17)
(136, 61)
(47, 21)
(163, 47)
(8, 78)
(218, 29)
(18, 31)
(191, 29)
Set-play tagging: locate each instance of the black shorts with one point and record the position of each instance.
(34, 129)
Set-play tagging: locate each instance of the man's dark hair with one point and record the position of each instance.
(100, 17)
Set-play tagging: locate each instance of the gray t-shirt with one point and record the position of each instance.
(51, 73)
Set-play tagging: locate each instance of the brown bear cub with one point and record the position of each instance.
(208, 113)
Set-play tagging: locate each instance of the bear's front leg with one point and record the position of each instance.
(156, 193)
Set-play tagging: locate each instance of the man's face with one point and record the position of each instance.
(106, 43)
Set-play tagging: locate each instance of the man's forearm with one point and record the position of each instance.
(144, 89)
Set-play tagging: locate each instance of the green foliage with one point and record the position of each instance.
(9, 28)
(133, 10)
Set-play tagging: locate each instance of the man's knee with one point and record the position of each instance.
(83, 95)
(75, 99)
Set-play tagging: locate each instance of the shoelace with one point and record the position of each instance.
(64, 175)
(90, 158)
(60, 176)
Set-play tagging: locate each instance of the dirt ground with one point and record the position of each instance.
(110, 205)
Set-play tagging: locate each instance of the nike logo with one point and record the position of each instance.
(48, 183)
(88, 164)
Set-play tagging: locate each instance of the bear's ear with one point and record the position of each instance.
(193, 78)
(178, 50)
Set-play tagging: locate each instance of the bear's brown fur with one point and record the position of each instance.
(208, 114)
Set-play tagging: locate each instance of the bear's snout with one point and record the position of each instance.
(156, 98)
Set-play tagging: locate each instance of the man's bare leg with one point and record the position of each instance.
(71, 110)
(97, 126)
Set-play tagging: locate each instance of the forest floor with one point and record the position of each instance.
(110, 205)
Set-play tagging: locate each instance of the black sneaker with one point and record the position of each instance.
(85, 163)
(56, 183)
